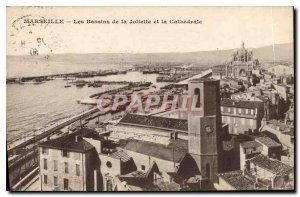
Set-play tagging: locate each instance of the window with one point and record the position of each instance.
(109, 185)
(240, 110)
(55, 181)
(76, 156)
(207, 169)
(108, 164)
(77, 170)
(45, 151)
(252, 122)
(45, 164)
(65, 153)
(66, 184)
(45, 179)
(247, 111)
(66, 168)
(222, 109)
(228, 119)
(55, 165)
(235, 111)
(243, 121)
(252, 111)
(143, 167)
(197, 93)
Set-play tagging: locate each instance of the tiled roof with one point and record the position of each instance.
(134, 174)
(250, 144)
(137, 181)
(240, 181)
(154, 121)
(267, 141)
(284, 128)
(156, 150)
(241, 104)
(121, 155)
(271, 165)
(165, 186)
(69, 143)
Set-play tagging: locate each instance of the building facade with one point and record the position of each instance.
(242, 116)
(68, 164)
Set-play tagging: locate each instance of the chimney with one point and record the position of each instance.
(77, 138)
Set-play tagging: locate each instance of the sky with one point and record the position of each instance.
(221, 28)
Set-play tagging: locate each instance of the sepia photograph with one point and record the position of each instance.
(161, 99)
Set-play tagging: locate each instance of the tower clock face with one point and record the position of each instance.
(208, 129)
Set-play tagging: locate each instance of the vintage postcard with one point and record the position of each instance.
(150, 99)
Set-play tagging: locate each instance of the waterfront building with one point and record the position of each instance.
(68, 163)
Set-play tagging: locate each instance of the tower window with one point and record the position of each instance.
(109, 164)
(207, 170)
(197, 93)
(143, 167)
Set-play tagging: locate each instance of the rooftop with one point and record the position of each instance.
(250, 144)
(203, 80)
(271, 165)
(156, 122)
(241, 103)
(120, 155)
(284, 128)
(68, 142)
(240, 181)
(173, 152)
(267, 141)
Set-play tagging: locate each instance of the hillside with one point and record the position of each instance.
(62, 63)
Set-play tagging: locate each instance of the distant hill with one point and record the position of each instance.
(283, 52)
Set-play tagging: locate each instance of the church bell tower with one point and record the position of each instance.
(204, 126)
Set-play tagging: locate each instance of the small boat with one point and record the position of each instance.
(67, 85)
(87, 101)
(80, 85)
(32, 82)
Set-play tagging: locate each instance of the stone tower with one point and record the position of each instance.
(204, 126)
